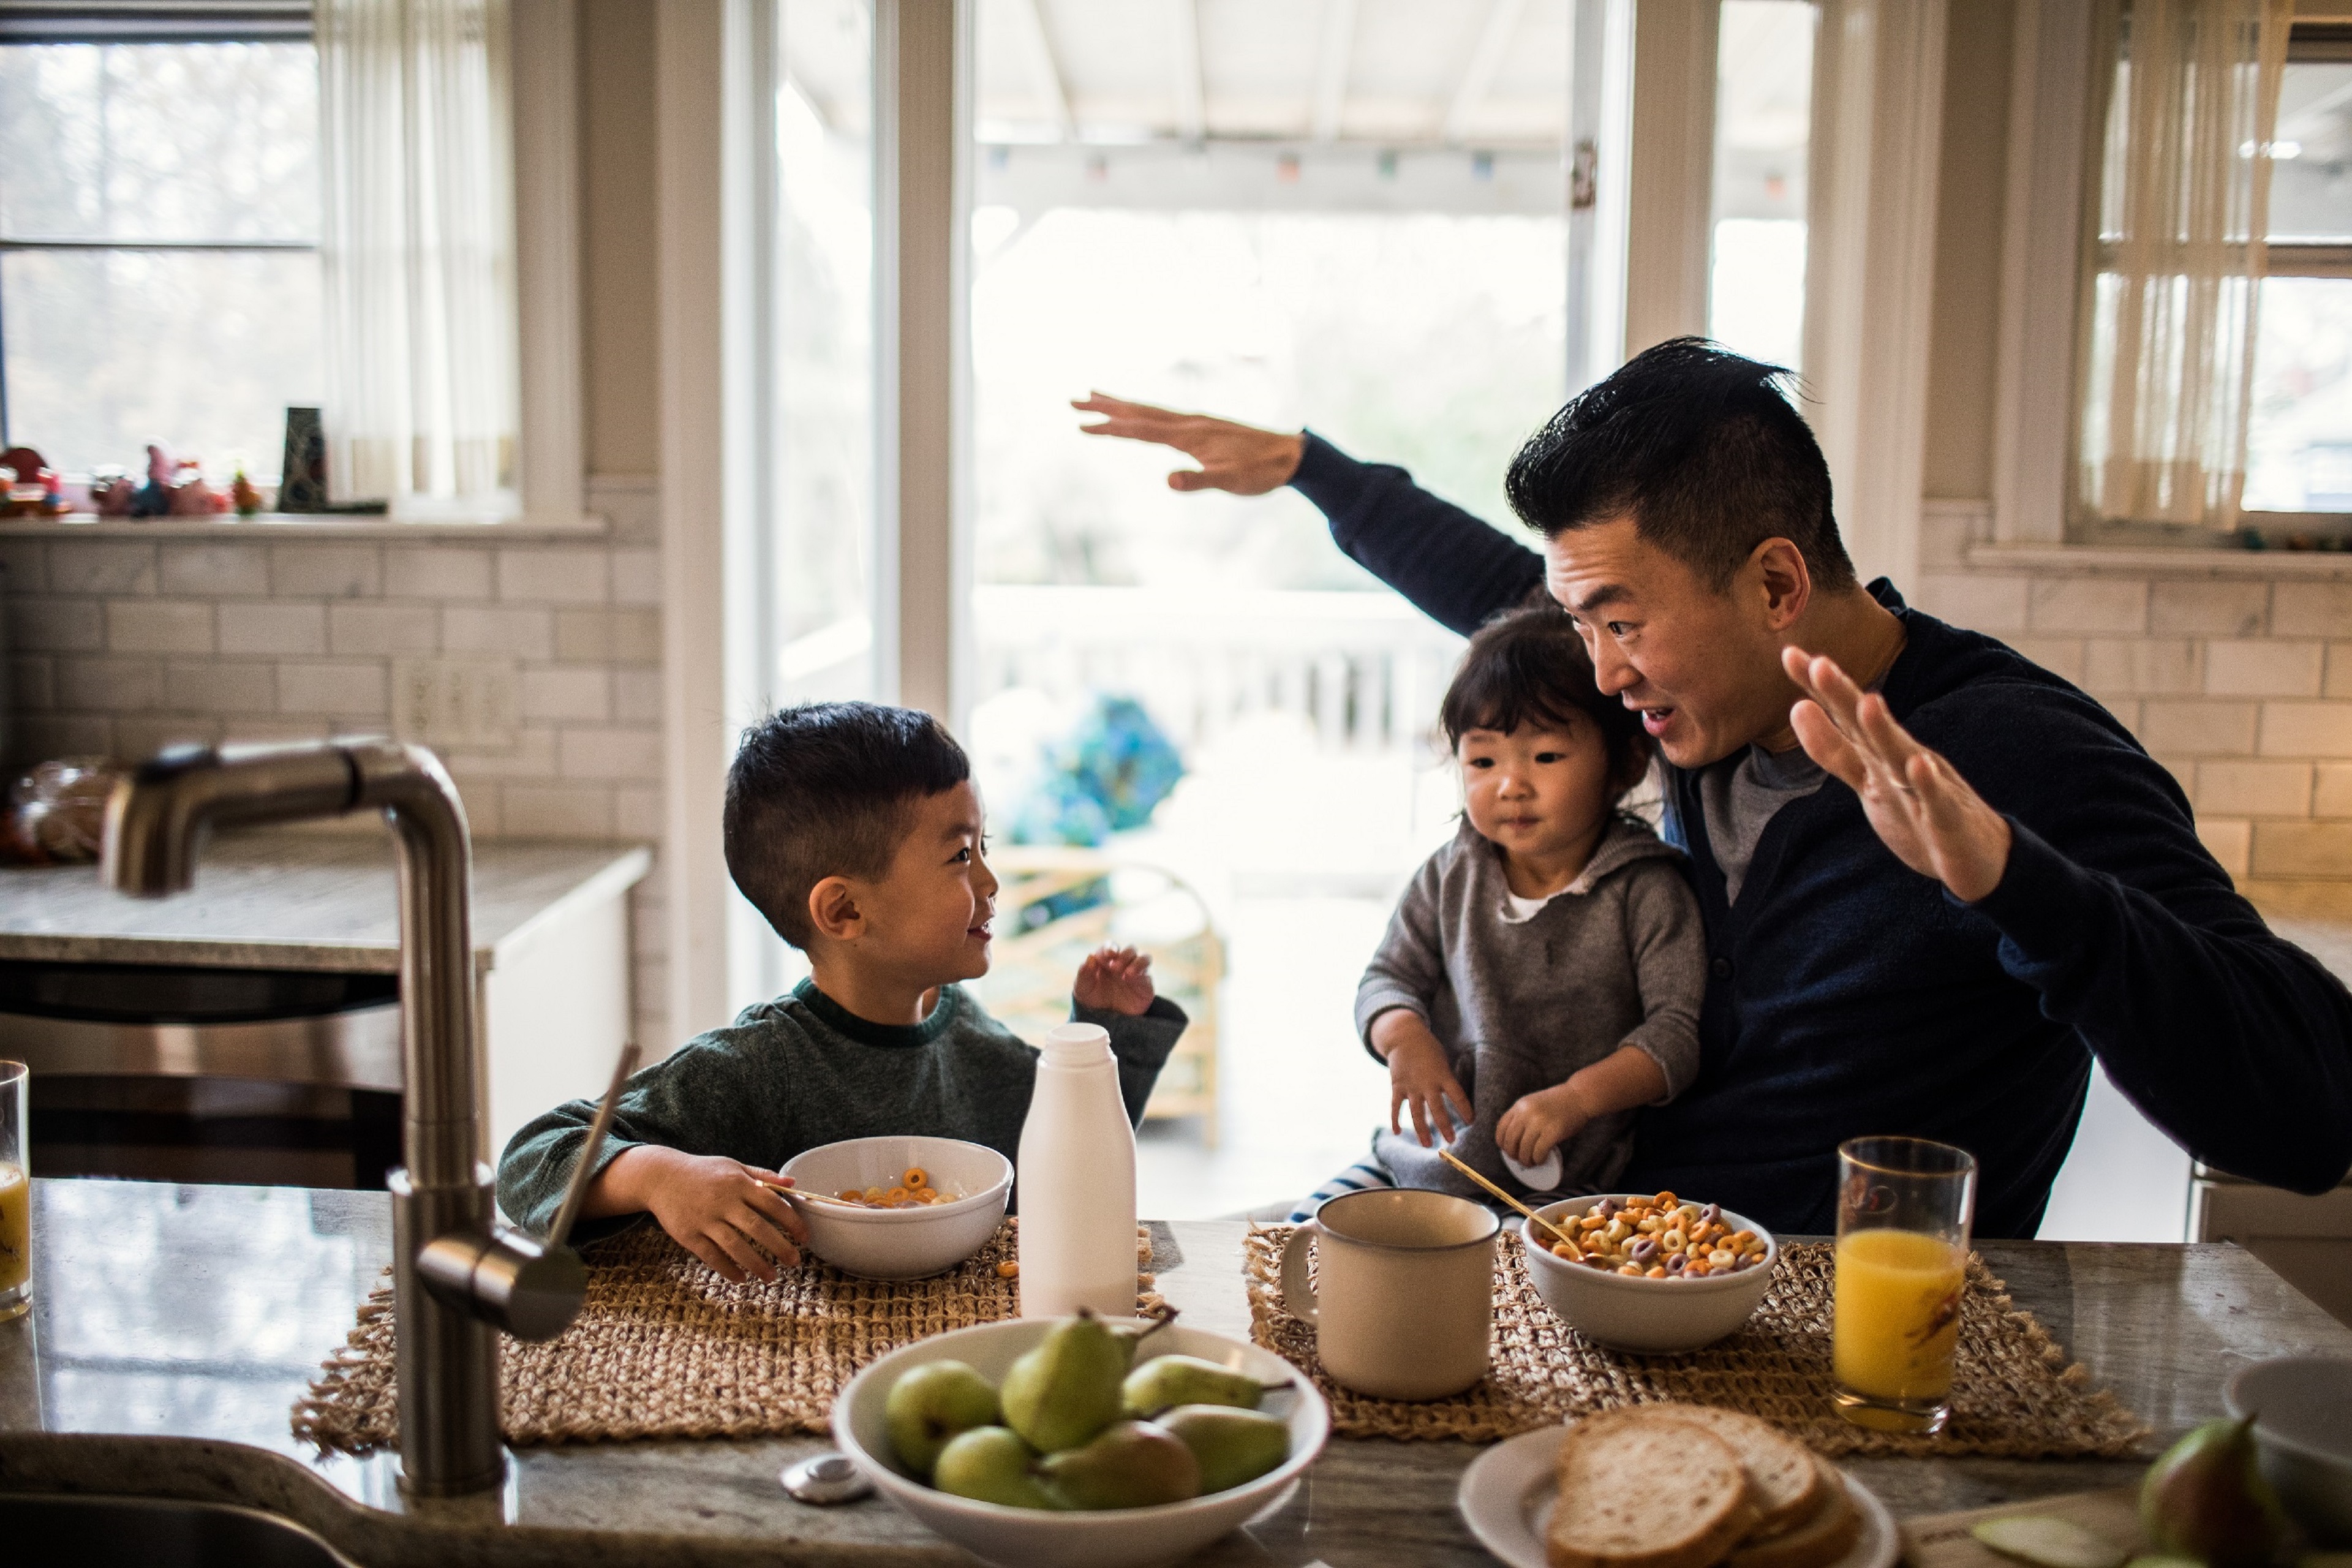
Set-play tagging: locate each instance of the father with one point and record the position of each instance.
(2001, 884)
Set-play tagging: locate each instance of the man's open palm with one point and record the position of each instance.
(1240, 458)
(1917, 802)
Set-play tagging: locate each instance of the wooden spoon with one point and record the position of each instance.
(1533, 1218)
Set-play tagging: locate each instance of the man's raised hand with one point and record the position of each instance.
(1917, 802)
(1240, 458)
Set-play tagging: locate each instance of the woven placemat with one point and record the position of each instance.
(665, 1348)
(2014, 1396)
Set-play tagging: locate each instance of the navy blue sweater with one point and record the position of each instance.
(1849, 995)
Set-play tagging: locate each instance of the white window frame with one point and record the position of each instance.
(545, 90)
(2291, 259)
(2037, 418)
(1876, 141)
(280, 24)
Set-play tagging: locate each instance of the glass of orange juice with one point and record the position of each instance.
(1904, 1207)
(16, 1197)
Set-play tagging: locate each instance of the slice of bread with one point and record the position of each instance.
(1784, 1483)
(1614, 1510)
(1816, 1541)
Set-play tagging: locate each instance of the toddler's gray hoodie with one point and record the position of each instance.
(1618, 958)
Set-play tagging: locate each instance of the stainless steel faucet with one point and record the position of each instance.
(458, 1275)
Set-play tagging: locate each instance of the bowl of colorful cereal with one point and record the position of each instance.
(1650, 1271)
(899, 1207)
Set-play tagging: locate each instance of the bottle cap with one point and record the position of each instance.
(1077, 1045)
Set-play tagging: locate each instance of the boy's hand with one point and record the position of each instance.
(726, 1213)
(1539, 1122)
(1115, 980)
(1421, 1077)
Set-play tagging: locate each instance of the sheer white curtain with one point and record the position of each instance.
(419, 251)
(2184, 201)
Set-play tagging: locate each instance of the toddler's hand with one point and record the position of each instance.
(726, 1213)
(1539, 1122)
(1419, 1077)
(1115, 980)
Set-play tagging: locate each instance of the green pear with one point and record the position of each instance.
(990, 1464)
(1130, 1464)
(932, 1403)
(1232, 1446)
(2206, 1498)
(1167, 1381)
(1066, 1390)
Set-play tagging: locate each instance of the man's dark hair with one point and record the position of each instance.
(824, 790)
(1529, 666)
(1701, 449)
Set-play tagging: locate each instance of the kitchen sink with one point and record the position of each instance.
(75, 1532)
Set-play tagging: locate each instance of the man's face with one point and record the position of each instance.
(1702, 667)
(928, 918)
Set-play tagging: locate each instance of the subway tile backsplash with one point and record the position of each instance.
(124, 645)
(2241, 687)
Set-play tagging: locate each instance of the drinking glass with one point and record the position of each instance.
(16, 1197)
(1904, 1207)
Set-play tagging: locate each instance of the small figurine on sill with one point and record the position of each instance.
(112, 492)
(29, 487)
(245, 493)
(191, 497)
(154, 496)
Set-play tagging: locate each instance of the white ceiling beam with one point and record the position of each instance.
(1029, 31)
(1337, 47)
(1184, 60)
(1486, 59)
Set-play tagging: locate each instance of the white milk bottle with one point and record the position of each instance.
(1075, 1182)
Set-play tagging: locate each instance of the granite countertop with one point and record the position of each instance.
(174, 1327)
(282, 899)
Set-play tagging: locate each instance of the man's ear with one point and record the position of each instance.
(833, 912)
(1779, 570)
(1634, 764)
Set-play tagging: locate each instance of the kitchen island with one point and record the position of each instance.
(175, 1326)
(551, 953)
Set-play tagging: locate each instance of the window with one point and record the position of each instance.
(2299, 441)
(1763, 128)
(159, 228)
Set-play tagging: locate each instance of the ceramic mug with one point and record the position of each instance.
(1403, 1299)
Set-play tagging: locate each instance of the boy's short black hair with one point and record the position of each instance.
(1702, 449)
(1529, 666)
(823, 790)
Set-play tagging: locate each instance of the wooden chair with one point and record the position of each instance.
(1038, 949)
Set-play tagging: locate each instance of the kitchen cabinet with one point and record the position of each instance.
(249, 1030)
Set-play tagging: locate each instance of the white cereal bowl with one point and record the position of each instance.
(1652, 1317)
(899, 1244)
(2302, 1435)
(1117, 1538)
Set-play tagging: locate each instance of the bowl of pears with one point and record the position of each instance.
(1081, 1442)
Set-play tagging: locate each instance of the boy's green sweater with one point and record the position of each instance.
(799, 1071)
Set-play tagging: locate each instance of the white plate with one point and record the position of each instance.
(1506, 1496)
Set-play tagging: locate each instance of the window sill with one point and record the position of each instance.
(2166, 561)
(294, 525)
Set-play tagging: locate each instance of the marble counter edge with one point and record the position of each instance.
(624, 865)
(418, 1534)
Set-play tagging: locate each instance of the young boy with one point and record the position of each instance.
(856, 831)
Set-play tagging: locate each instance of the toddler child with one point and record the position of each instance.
(856, 830)
(1541, 978)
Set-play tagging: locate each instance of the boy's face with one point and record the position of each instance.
(927, 919)
(1539, 789)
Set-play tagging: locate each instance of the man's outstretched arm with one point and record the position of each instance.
(1453, 566)
(2233, 1040)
